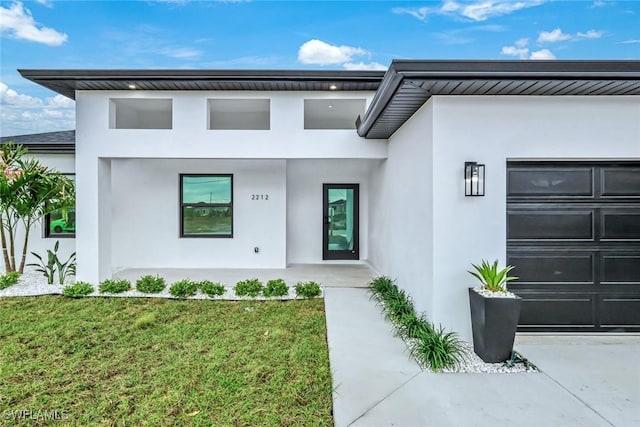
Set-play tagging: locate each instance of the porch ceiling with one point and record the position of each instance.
(407, 85)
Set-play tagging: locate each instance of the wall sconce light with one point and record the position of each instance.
(473, 179)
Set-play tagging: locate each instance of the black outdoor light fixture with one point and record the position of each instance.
(473, 179)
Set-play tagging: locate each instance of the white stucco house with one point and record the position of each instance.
(264, 169)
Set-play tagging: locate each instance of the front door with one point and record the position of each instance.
(341, 210)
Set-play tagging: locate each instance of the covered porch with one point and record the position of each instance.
(327, 275)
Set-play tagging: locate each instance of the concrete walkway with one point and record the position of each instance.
(591, 382)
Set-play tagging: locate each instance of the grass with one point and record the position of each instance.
(130, 361)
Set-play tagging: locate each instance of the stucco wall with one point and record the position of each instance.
(401, 209)
(491, 130)
(37, 242)
(189, 136)
(423, 230)
(304, 204)
(145, 215)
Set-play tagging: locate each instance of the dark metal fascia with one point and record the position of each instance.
(385, 93)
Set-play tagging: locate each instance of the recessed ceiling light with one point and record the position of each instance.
(132, 87)
(333, 87)
(330, 105)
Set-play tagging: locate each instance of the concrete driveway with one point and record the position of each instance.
(584, 381)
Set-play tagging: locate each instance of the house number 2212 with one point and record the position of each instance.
(259, 197)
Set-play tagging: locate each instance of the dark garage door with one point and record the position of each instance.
(573, 235)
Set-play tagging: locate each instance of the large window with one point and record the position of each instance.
(61, 222)
(206, 205)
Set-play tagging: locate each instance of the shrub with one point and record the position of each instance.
(150, 285)
(145, 321)
(249, 287)
(381, 286)
(114, 286)
(78, 289)
(397, 304)
(276, 288)
(211, 289)
(438, 350)
(308, 289)
(414, 326)
(9, 279)
(183, 288)
(431, 347)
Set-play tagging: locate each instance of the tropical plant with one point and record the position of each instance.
(308, 289)
(276, 288)
(53, 265)
(150, 284)
(28, 192)
(78, 289)
(114, 286)
(9, 279)
(249, 287)
(183, 288)
(211, 289)
(491, 278)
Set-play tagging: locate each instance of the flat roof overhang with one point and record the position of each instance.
(66, 82)
(408, 84)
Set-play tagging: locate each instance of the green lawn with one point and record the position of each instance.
(128, 361)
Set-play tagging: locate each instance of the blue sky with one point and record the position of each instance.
(287, 35)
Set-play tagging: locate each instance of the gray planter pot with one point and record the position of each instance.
(494, 322)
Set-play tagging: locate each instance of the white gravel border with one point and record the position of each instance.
(32, 283)
(471, 362)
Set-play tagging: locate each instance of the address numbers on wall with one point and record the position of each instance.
(259, 197)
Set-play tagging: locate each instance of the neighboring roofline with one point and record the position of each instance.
(60, 142)
(66, 82)
(492, 70)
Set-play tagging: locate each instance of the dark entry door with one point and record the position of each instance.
(341, 213)
(573, 232)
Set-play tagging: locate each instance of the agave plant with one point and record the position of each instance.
(492, 279)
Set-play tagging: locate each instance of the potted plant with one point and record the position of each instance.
(494, 312)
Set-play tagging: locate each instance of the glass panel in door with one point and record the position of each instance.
(341, 212)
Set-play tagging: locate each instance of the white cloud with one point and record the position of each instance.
(553, 36)
(557, 35)
(372, 66)
(522, 42)
(521, 50)
(181, 52)
(45, 3)
(631, 41)
(23, 114)
(591, 34)
(420, 13)
(321, 53)
(18, 23)
(478, 10)
(521, 53)
(542, 54)
(600, 3)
